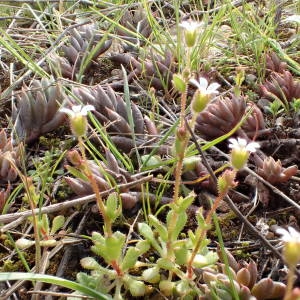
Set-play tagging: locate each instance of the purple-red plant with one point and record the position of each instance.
(223, 114)
(281, 86)
(155, 70)
(273, 172)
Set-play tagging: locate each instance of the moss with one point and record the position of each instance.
(240, 254)
(271, 222)
(12, 266)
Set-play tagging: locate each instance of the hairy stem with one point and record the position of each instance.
(89, 174)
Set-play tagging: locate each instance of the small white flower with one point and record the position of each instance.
(291, 239)
(205, 88)
(190, 32)
(240, 152)
(78, 119)
(77, 110)
(190, 25)
(242, 144)
(289, 236)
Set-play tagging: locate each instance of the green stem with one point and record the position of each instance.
(178, 173)
(202, 236)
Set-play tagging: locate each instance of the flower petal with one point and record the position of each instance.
(233, 143)
(285, 235)
(242, 142)
(87, 108)
(294, 233)
(213, 87)
(68, 111)
(252, 147)
(203, 84)
(195, 83)
(77, 108)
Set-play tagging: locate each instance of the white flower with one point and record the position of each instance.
(77, 110)
(205, 88)
(243, 145)
(190, 32)
(291, 239)
(240, 152)
(190, 25)
(289, 236)
(78, 119)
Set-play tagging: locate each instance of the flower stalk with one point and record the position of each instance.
(78, 124)
(225, 182)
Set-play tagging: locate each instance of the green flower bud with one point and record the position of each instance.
(226, 181)
(199, 101)
(78, 125)
(179, 83)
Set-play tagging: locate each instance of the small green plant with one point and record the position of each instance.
(296, 106)
(275, 108)
(177, 254)
(46, 232)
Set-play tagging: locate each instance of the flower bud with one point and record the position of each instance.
(199, 101)
(226, 181)
(180, 140)
(179, 83)
(74, 157)
(23, 243)
(48, 243)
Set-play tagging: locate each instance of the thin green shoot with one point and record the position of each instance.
(129, 114)
(16, 51)
(110, 145)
